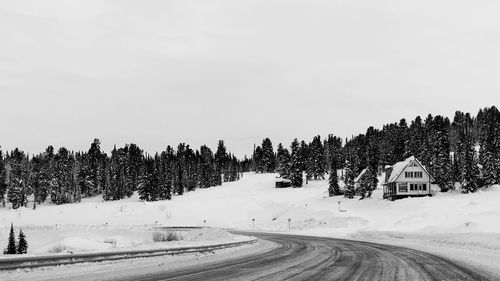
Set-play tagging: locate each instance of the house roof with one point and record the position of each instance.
(360, 175)
(399, 167)
(283, 180)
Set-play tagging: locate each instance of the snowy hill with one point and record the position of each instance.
(234, 205)
(451, 219)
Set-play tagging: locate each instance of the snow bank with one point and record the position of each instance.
(80, 239)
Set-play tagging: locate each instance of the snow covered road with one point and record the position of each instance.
(297, 257)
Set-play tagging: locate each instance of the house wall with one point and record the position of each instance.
(402, 179)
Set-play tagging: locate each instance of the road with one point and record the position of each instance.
(314, 258)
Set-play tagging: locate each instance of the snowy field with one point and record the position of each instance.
(463, 226)
(80, 239)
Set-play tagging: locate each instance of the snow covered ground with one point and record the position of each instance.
(79, 239)
(469, 223)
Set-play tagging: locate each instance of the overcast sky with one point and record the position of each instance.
(161, 72)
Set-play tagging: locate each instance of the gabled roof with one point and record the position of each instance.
(399, 167)
(360, 175)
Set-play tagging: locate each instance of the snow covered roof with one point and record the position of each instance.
(283, 180)
(399, 167)
(360, 175)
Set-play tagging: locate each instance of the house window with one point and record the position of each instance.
(424, 187)
(419, 175)
(409, 174)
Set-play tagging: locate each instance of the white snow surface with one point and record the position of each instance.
(468, 223)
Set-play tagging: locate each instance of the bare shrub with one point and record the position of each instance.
(166, 236)
(58, 248)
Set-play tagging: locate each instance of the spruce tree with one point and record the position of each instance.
(164, 177)
(333, 146)
(296, 165)
(17, 193)
(283, 162)
(304, 153)
(465, 160)
(220, 161)
(440, 156)
(148, 185)
(11, 245)
(268, 157)
(372, 159)
(333, 181)
(401, 141)
(417, 140)
(135, 160)
(316, 162)
(22, 244)
(350, 175)
(3, 179)
(489, 139)
(96, 170)
(367, 183)
(257, 159)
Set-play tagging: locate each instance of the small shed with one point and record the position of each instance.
(408, 178)
(283, 183)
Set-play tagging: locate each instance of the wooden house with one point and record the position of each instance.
(408, 178)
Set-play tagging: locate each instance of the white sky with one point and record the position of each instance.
(161, 72)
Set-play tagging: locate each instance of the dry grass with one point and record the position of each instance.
(166, 236)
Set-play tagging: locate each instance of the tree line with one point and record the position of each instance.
(464, 150)
(64, 176)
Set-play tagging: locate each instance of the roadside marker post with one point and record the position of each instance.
(289, 223)
(253, 224)
(340, 202)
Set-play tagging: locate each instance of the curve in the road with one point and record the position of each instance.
(315, 258)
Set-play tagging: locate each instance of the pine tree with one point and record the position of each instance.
(3, 179)
(22, 244)
(465, 162)
(333, 146)
(349, 177)
(11, 246)
(401, 141)
(96, 171)
(489, 139)
(220, 161)
(18, 181)
(304, 155)
(296, 165)
(148, 185)
(367, 183)
(134, 166)
(417, 140)
(440, 155)
(283, 162)
(268, 157)
(372, 159)
(62, 186)
(257, 159)
(333, 181)
(166, 173)
(316, 162)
